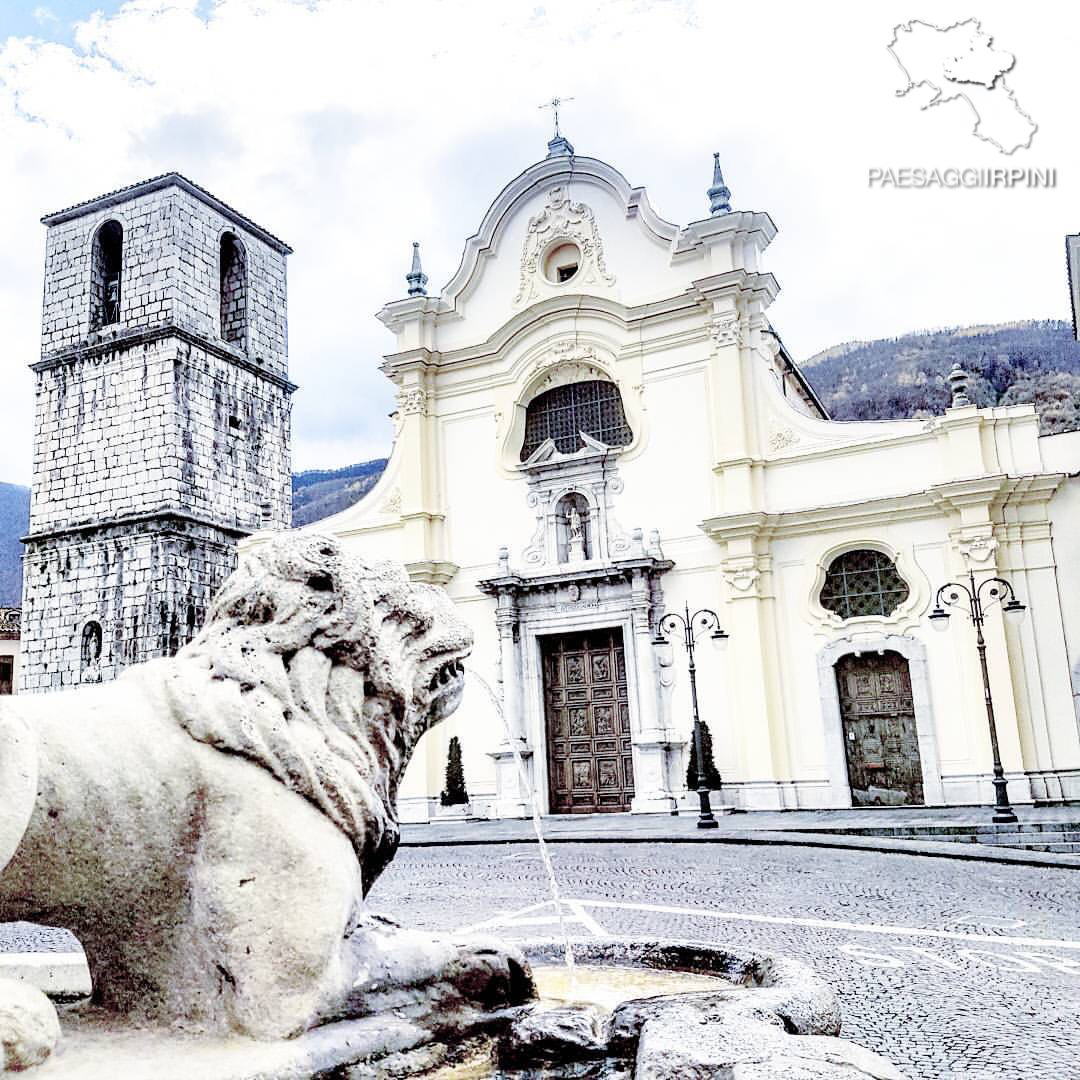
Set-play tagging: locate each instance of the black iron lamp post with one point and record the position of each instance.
(979, 596)
(692, 627)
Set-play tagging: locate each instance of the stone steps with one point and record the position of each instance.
(1061, 836)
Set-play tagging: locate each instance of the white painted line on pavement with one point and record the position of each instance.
(831, 924)
(583, 917)
(573, 913)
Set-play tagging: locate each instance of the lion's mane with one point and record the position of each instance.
(308, 665)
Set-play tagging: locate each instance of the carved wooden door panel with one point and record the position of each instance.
(880, 738)
(590, 767)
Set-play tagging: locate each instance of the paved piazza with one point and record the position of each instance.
(951, 969)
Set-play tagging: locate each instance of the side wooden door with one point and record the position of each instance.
(880, 737)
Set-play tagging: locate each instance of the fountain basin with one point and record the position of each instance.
(647, 1010)
(660, 1010)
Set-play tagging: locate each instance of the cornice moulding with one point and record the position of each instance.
(921, 504)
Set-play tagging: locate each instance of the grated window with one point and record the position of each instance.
(863, 582)
(593, 407)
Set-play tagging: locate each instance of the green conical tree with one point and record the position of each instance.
(454, 794)
(712, 776)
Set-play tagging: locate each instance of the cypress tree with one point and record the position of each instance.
(712, 775)
(454, 794)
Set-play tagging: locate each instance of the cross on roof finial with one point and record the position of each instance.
(559, 144)
(553, 105)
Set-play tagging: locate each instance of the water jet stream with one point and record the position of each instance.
(545, 855)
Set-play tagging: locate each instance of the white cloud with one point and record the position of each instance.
(45, 17)
(352, 128)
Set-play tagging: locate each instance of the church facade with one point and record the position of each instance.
(596, 424)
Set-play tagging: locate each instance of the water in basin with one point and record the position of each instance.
(609, 985)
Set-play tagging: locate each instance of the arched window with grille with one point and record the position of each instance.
(106, 262)
(562, 413)
(863, 582)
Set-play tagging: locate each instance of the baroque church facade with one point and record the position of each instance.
(596, 424)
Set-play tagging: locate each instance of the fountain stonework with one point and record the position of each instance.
(209, 826)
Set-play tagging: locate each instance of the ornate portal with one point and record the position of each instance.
(584, 593)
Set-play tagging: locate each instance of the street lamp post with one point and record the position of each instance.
(997, 591)
(692, 627)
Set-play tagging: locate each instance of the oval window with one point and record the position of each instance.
(561, 262)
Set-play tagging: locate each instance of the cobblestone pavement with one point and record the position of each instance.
(949, 969)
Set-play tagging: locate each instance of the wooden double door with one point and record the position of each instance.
(590, 763)
(878, 717)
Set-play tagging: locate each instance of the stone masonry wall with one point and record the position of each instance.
(233, 429)
(171, 273)
(105, 438)
(147, 586)
(157, 442)
(158, 425)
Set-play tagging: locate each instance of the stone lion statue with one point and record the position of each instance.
(209, 825)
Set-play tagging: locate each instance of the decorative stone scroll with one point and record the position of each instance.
(561, 219)
(724, 330)
(412, 402)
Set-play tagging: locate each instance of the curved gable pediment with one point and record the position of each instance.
(557, 197)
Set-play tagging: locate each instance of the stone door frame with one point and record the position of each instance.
(624, 596)
(914, 652)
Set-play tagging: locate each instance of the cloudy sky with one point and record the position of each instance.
(352, 127)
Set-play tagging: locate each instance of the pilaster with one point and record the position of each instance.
(758, 719)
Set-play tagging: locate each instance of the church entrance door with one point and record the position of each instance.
(878, 717)
(590, 764)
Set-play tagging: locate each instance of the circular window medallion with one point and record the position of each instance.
(561, 262)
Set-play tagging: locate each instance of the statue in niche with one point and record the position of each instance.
(575, 547)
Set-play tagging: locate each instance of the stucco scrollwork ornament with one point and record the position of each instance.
(724, 330)
(977, 549)
(742, 577)
(619, 540)
(781, 438)
(564, 352)
(536, 552)
(561, 219)
(392, 503)
(568, 362)
(412, 402)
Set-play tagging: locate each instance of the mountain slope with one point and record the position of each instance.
(905, 376)
(14, 522)
(318, 493)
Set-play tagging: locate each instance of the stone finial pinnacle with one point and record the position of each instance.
(416, 277)
(559, 146)
(959, 380)
(719, 194)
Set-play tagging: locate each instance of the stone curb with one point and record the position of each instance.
(938, 849)
(64, 976)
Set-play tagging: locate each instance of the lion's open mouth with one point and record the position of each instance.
(447, 673)
(445, 687)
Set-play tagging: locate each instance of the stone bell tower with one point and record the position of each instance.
(161, 424)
